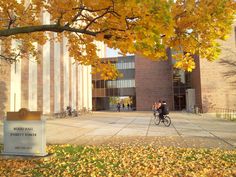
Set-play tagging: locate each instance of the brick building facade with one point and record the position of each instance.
(153, 81)
(215, 82)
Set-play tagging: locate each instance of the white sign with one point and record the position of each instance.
(24, 138)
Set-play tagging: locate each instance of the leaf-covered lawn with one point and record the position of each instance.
(125, 160)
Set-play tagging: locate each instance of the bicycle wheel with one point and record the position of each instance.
(157, 120)
(74, 114)
(167, 121)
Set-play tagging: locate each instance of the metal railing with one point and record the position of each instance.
(225, 113)
(196, 110)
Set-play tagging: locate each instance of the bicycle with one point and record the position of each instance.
(166, 120)
(62, 114)
(74, 113)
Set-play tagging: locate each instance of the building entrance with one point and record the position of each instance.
(181, 82)
(107, 93)
(127, 103)
(179, 102)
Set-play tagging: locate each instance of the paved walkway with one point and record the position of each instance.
(99, 128)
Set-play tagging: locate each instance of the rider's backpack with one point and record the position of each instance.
(166, 110)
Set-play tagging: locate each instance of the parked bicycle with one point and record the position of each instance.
(166, 120)
(67, 113)
(62, 114)
(74, 113)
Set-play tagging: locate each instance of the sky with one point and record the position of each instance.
(113, 53)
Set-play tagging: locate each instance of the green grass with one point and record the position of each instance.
(125, 160)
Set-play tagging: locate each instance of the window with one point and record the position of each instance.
(128, 65)
(121, 84)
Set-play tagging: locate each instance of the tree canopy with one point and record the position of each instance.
(147, 27)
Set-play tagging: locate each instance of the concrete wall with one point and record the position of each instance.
(5, 74)
(48, 90)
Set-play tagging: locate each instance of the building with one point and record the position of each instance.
(122, 87)
(56, 82)
(143, 80)
(212, 85)
(48, 86)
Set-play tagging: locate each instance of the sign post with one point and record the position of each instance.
(24, 134)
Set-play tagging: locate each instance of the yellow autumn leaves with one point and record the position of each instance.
(108, 71)
(125, 160)
(184, 61)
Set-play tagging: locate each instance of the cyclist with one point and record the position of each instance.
(156, 106)
(163, 110)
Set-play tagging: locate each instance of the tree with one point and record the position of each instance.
(146, 27)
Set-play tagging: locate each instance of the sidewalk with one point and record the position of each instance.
(101, 128)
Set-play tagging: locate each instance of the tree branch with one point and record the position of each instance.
(12, 19)
(90, 10)
(100, 16)
(59, 19)
(75, 17)
(9, 59)
(113, 11)
(182, 14)
(53, 28)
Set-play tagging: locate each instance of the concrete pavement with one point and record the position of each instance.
(101, 128)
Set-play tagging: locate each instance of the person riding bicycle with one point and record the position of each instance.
(163, 110)
(155, 107)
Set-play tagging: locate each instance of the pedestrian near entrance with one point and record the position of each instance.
(118, 107)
